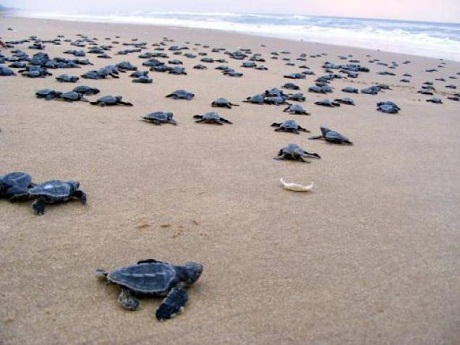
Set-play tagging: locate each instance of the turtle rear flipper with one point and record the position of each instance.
(172, 304)
(39, 207)
(128, 301)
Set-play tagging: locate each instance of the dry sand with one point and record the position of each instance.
(370, 256)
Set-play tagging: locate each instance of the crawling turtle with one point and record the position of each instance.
(350, 89)
(159, 117)
(345, 100)
(223, 103)
(14, 186)
(55, 191)
(298, 97)
(110, 100)
(296, 109)
(435, 100)
(86, 90)
(65, 78)
(48, 94)
(328, 103)
(211, 117)
(290, 86)
(72, 96)
(388, 107)
(143, 80)
(256, 99)
(288, 126)
(137, 74)
(181, 94)
(295, 152)
(154, 278)
(332, 136)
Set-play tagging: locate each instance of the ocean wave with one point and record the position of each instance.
(440, 40)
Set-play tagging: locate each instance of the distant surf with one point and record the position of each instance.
(437, 40)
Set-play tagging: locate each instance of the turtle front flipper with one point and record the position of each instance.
(128, 301)
(39, 206)
(80, 195)
(316, 137)
(173, 303)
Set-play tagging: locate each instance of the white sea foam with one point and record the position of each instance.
(439, 40)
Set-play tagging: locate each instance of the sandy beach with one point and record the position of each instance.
(370, 256)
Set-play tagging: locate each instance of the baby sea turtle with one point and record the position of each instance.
(154, 278)
(86, 90)
(55, 191)
(65, 78)
(211, 117)
(143, 80)
(159, 117)
(345, 100)
(72, 96)
(332, 136)
(288, 126)
(223, 103)
(48, 94)
(388, 107)
(295, 152)
(14, 186)
(328, 103)
(298, 97)
(435, 100)
(256, 99)
(290, 86)
(110, 100)
(181, 94)
(296, 109)
(350, 89)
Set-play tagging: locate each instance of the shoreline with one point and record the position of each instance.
(400, 49)
(370, 255)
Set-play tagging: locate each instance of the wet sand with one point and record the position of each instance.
(370, 256)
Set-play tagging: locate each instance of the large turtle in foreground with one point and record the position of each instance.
(154, 278)
(55, 191)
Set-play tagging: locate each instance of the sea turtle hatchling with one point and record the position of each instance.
(48, 94)
(55, 191)
(332, 137)
(159, 117)
(223, 103)
(181, 94)
(296, 109)
(211, 117)
(86, 90)
(289, 126)
(295, 152)
(110, 100)
(154, 278)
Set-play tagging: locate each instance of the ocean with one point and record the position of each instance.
(437, 40)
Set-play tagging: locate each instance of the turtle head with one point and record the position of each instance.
(324, 130)
(190, 272)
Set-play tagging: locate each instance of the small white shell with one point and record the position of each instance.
(296, 187)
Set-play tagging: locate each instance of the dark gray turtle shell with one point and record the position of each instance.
(150, 278)
(55, 190)
(14, 182)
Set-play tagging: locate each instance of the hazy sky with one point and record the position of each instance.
(426, 10)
